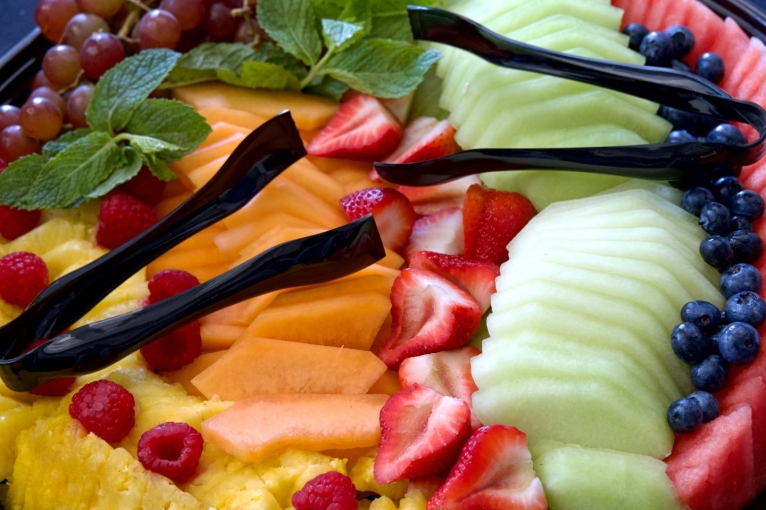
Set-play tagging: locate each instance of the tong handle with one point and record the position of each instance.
(311, 260)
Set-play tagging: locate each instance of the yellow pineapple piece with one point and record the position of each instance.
(47, 236)
(73, 252)
(361, 474)
(414, 500)
(87, 213)
(14, 420)
(8, 312)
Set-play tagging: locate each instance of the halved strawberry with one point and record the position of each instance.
(476, 276)
(430, 314)
(441, 232)
(422, 433)
(430, 199)
(362, 129)
(392, 211)
(494, 472)
(446, 372)
(425, 138)
(491, 218)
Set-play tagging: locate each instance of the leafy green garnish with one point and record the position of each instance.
(127, 130)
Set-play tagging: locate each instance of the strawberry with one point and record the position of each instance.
(425, 138)
(441, 232)
(430, 314)
(447, 372)
(392, 211)
(362, 129)
(430, 199)
(422, 433)
(491, 218)
(427, 485)
(476, 276)
(494, 472)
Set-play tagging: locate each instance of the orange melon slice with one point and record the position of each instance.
(353, 284)
(199, 176)
(185, 375)
(273, 237)
(190, 259)
(221, 131)
(387, 384)
(218, 337)
(392, 260)
(227, 316)
(205, 155)
(261, 365)
(317, 182)
(266, 425)
(330, 164)
(240, 118)
(168, 205)
(234, 240)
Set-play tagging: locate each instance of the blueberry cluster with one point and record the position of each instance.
(710, 339)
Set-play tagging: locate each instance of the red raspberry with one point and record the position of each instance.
(144, 186)
(170, 282)
(122, 217)
(54, 388)
(328, 491)
(15, 223)
(171, 449)
(174, 350)
(23, 276)
(3, 165)
(104, 408)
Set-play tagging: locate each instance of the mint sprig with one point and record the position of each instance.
(127, 130)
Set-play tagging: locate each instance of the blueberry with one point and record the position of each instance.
(688, 342)
(712, 339)
(710, 66)
(681, 40)
(709, 405)
(702, 314)
(680, 136)
(680, 65)
(636, 32)
(715, 218)
(691, 122)
(710, 374)
(725, 188)
(739, 343)
(747, 246)
(727, 134)
(741, 223)
(747, 203)
(656, 47)
(685, 415)
(746, 306)
(717, 252)
(740, 278)
(693, 200)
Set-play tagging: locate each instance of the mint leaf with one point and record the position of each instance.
(382, 67)
(120, 92)
(148, 144)
(291, 23)
(328, 87)
(53, 147)
(262, 75)
(129, 169)
(17, 181)
(159, 168)
(338, 35)
(390, 20)
(328, 8)
(203, 62)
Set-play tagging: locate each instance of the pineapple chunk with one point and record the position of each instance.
(47, 236)
(15, 419)
(413, 500)
(73, 252)
(362, 475)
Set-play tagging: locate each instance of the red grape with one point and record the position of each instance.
(102, 8)
(100, 52)
(189, 13)
(159, 29)
(9, 115)
(77, 105)
(15, 144)
(219, 22)
(62, 65)
(80, 27)
(40, 80)
(51, 94)
(41, 119)
(52, 16)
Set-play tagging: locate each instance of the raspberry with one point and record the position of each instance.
(15, 223)
(54, 388)
(170, 282)
(104, 408)
(171, 449)
(328, 491)
(122, 217)
(23, 276)
(144, 186)
(174, 350)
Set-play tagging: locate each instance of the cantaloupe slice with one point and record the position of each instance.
(205, 155)
(388, 384)
(240, 118)
(222, 130)
(255, 306)
(274, 237)
(200, 240)
(199, 176)
(350, 320)
(309, 112)
(392, 260)
(168, 205)
(352, 284)
(234, 240)
(190, 259)
(330, 164)
(185, 375)
(217, 337)
(226, 316)
(261, 365)
(259, 427)
(304, 174)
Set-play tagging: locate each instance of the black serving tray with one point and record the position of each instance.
(20, 64)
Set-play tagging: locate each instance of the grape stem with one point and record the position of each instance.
(139, 4)
(314, 70)
(127, 25)
(244, 12)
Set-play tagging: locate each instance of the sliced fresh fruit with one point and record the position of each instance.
(392, 211)
(441, 232)
(430, 199)
(425, 138)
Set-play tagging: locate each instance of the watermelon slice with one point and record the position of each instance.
(706, 27)
(737, 72)
(731, 43)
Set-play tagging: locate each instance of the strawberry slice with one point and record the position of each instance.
(441, 232)
(422, 433)
(362, 129)
(446, 372)
(430, 314)
(494, 472)
(430, 199)
(476, 276)
(491, 218)
(392, 211)
(425, 138)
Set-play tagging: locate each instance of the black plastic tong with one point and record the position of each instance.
(263, 155)
(683, 164)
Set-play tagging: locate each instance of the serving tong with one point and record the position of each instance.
(683, 164)
(259, 158)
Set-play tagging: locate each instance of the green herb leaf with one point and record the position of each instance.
(159, 168)
(291, 23)
(382, 67)
(390, 20)
(148, 144)
(339, 35)
(120, 92)
(203, 62)
(17, 181)
(328, 87)
(53, 147)
(262, 75)
(124, 173)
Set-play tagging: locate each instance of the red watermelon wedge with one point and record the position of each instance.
(731, 43)
(706, 27)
